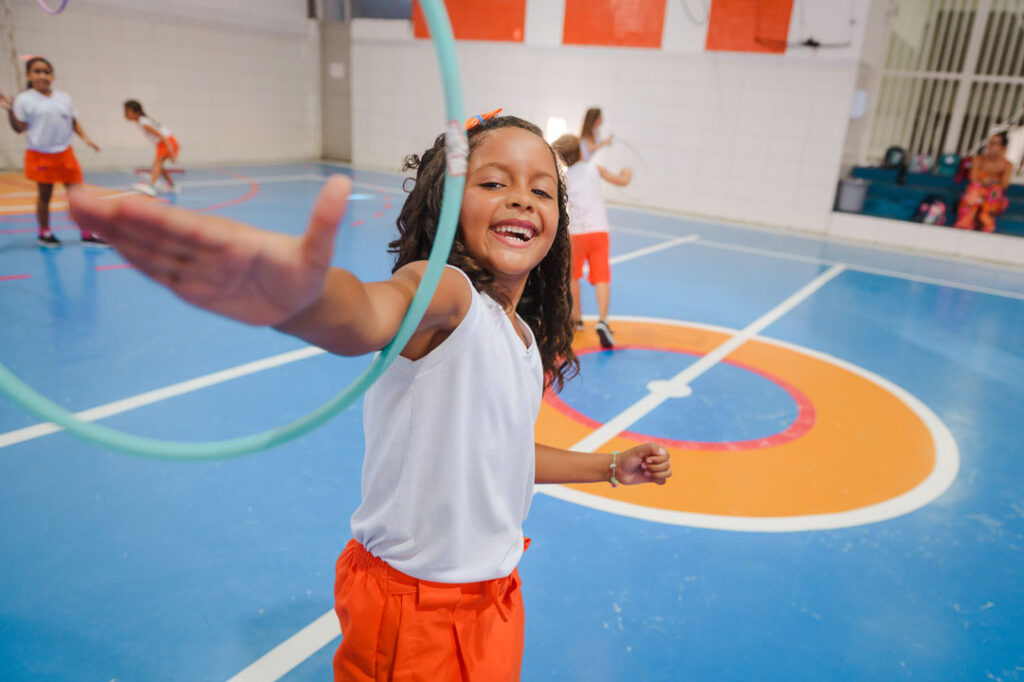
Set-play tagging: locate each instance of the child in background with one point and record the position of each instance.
(428, 587)
(166, 148)
(49, 118)
(985, 198)
(588, 223)
(590, 135)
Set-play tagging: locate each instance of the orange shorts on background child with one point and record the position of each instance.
(594, 248)
(166, 151)
(395, 627)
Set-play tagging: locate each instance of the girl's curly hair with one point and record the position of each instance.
(546, 303)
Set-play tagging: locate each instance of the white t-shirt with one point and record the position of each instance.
(448, 472)
(147, 121)
(50, 119)
(586, 151)
(586, 203)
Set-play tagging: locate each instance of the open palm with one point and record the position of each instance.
(237, 270)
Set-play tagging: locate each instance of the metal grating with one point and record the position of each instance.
(945, 87)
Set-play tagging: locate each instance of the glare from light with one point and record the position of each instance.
(555, 128)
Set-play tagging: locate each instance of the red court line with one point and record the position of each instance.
(357, 223)
(4, 278)
(119, 266)
(254, 189)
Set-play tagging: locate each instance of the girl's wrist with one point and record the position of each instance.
(612, 470)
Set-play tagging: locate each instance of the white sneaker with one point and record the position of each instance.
(143, 188)
(162, 186)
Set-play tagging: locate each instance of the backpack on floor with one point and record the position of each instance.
(931, 210)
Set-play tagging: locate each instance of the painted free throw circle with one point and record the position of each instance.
(873, 452)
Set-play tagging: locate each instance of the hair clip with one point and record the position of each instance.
(474, 121)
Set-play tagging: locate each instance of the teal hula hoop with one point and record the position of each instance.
(455, 181)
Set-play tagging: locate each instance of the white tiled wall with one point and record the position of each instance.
(245, 90)
(748, 137)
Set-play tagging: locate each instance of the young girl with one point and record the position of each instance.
(589, 227)
(49, 117)
(166, 147)
(590, 136)
(985, 198)
(428, 587)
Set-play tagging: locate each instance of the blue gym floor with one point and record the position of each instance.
(120, 568)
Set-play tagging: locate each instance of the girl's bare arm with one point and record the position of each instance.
(17, 125)
(647, 463)
(267, 278)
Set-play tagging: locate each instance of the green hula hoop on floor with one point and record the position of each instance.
(455, 181)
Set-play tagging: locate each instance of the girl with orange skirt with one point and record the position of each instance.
(49, 118)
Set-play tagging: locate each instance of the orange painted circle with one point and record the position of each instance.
(869, 444)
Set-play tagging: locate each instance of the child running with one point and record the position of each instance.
(166, 148)
(49, 118)
(428, 588)
(588, 223)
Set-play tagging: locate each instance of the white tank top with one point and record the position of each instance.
(448, 472)
(586, 203)
(147, 121)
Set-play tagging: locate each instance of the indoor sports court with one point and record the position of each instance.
(841, 395)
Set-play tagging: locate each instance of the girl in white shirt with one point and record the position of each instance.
(49, 118)
(167, 147)
(428, 588)
(590, 135)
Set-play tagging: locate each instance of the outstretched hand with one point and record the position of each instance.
(647, 463)
(237, 270)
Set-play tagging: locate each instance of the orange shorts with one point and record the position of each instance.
(395, 627)
(164, 151)
(592, 247)
(50, 169)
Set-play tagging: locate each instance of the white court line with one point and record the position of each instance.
(150, 397)
(228, 182)
(380, 188)
(653, 249)
(283, 658)
(885, 272)
(306, 177)
(680, 381)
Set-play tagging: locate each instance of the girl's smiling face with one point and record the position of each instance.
(40, 76)
(509, 212)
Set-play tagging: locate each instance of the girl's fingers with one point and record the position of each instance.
(318, 242)
(660, 466)
(147, 224)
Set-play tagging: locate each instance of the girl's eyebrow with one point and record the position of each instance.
(504, 168)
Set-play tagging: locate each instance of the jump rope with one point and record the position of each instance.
(456, 151)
